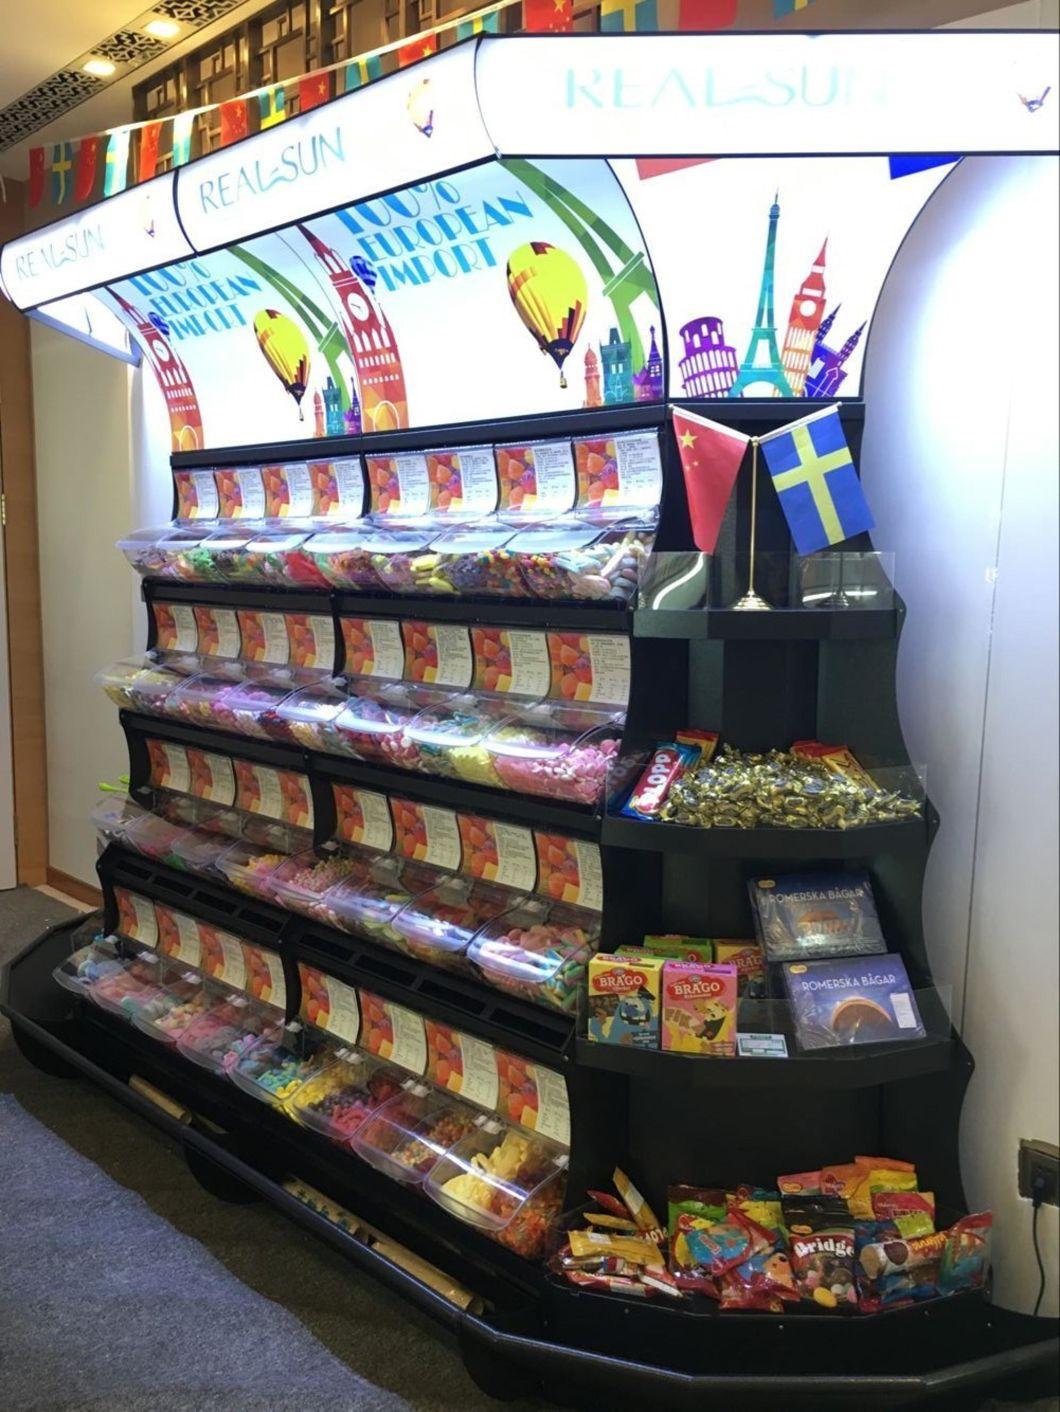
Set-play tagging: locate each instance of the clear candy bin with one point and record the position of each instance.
(134, 984)
(182, 997)
(368, 908)
(345, 1094)
(538, 951)
(413, 1131)
(281, 1061)
(560, 752)
(449, 738)
(506, 1182)
(223, 1034)
(300, 883)
(437, 925)
(90, 964)
(583, 561)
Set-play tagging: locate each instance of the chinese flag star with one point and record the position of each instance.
(710, 459)
(313, 90)
(418, 49)
(544, 16)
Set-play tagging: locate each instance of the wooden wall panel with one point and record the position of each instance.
(25, 646)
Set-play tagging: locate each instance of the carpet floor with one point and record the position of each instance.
(123, 1288)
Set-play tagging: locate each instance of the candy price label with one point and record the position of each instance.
(197, 497)
(288, 491)
(337, 488)
(264, 636)
(620, 470)
(511, 660)
(393, 1033)
(437, 652)
(222, 956)
(373, 648)
(329, 1004)
(186, 939)
(569, 870)
(399, 485)
(363, 817)
(589, 667)
(218, 631)
(175, 627)
(461, 1064)
(311, 640)
(427, 833)
(497, 852)
(211, 776)
(533, 1096)
(538, 476)
(168, 766)
(275, 794)
(241, 493)
(464, 479)
(264, 976)
(136, 917)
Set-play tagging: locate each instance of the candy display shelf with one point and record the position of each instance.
(813, 624)
(772, 845)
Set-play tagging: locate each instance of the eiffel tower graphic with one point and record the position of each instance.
(762, 369)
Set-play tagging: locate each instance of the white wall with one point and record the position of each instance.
(84, 490)
(960, 464)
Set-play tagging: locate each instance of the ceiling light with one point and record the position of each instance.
(162, 29)
(98, 68)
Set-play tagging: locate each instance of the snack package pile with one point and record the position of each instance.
(858, 1237)
(811, 786)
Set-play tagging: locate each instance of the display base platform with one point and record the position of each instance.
(524, 1334)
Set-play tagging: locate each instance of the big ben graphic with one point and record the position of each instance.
(185, 417)
(807, 310)
(384, 402)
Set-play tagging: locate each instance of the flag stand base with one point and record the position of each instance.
(751, 603)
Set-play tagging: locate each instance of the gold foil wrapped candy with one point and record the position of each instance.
(780, 790)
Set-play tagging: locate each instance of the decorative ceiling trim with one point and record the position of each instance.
(127, 49)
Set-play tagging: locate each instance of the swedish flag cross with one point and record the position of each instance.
(814, 476)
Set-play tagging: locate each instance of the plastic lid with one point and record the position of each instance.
(114, 813)
(369, 906)
(154, 837)
(396, 541)
(343, 1095)
(554, 537)
(536, 731)
(136, 981)
(378, 712)
(182, 996)
(535, 943)
(313, 705)
(458, 720)
(231, 536)
(412, 1132)
(473, 539)
(487, 1177)
(442, 920)
(198, 850)
(334, 541)
(248, 703)
(138, 539)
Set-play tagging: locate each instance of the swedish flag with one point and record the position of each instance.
(813, 474)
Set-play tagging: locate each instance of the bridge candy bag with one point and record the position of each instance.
(821, 1231)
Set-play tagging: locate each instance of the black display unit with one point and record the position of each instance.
(761, 680)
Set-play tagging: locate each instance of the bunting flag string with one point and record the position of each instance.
(72, 173)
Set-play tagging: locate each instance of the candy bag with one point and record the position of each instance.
(966, 1254)
(800, 1184)
(691, 1208)
(726, 1244)
(765, 1282)
(911, 1212)
(821, 1232)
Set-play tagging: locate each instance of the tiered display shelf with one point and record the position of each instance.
(761, 680)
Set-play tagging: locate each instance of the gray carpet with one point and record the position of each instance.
(123, 1288)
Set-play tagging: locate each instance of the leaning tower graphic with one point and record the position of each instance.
(762, 372)
(803, 324)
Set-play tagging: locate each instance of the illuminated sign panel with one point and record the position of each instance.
(784, 94)
(136, 230)
(396, 131)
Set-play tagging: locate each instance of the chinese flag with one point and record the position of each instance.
(86, 167)
(233, 121)
(313, 90)
(148, 162)
(710, 458)
(37, 167)
(418, 49)
(706, 14)
(540, 16)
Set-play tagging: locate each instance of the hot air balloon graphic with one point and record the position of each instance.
(548, 290)
(420, 107)
(285, 349)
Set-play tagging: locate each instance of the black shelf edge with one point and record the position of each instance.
(500, 612)
(260, 596)
(585, 422)
(809, 845)
(837, 1070)
(574, 819)
(450, 998)
(781, 624)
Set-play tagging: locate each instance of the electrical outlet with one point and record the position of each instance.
(1040, 1160)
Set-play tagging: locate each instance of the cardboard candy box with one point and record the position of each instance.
(699, 1008)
